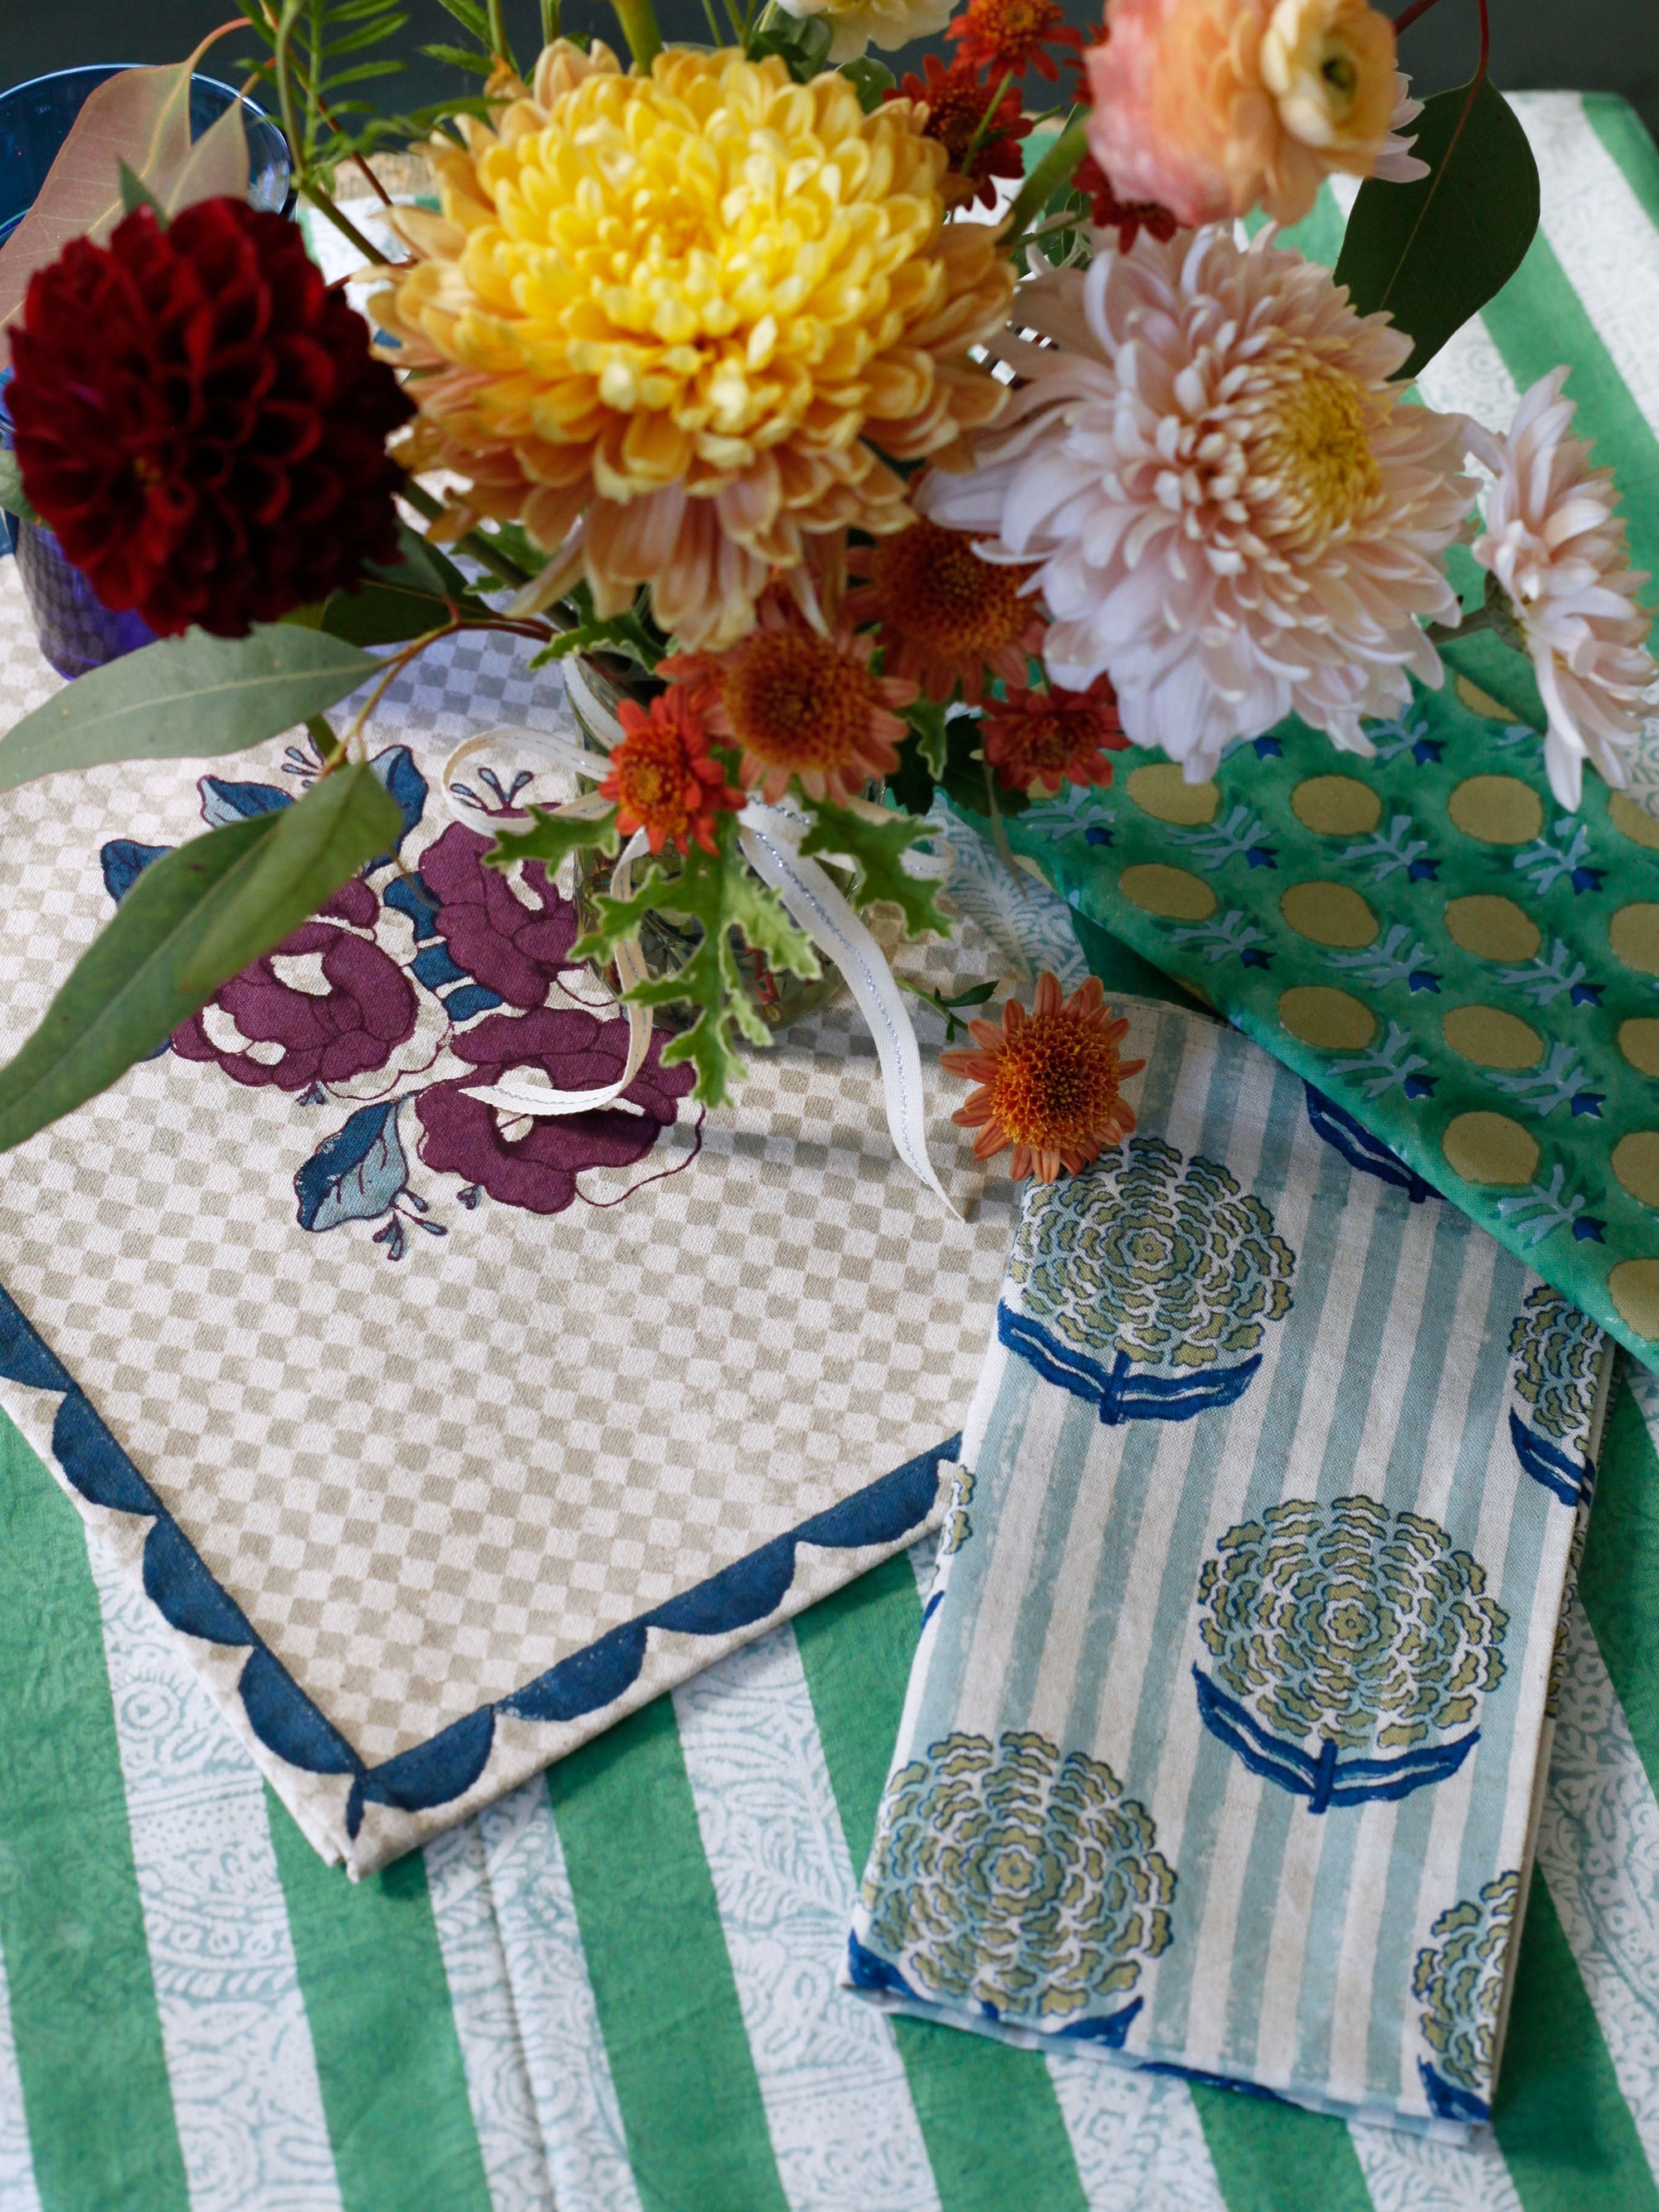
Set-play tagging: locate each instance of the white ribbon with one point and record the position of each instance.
(770, 838)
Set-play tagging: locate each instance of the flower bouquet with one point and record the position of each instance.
(850, 443)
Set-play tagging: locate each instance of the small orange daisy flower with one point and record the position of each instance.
(1129, 218)
(983, 142)
(1002, 35)
(800, 706)
(946, 617)
(1037, 740)
(1049, 1081)
(662, 777)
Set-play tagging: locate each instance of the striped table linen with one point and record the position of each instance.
(617, 1988)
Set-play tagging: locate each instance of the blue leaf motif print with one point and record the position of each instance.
(122, 861)
(223, 802)
(1020, 1878)
(1146, 1285)
(1338, 1628)
(396, 768)
(1369, 1154)
(355, 1174)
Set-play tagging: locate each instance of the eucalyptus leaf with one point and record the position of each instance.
(185, 698)
(192, 919)
(1433, 252)
(401, 599)
(14, 500)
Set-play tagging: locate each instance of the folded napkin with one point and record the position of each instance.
(1224, 1742)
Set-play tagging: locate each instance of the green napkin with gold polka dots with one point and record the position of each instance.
(1428, 938)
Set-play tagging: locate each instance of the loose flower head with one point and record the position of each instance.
(1555, 544)
(671, 319)
(799, 705)
(662, 777)
(982, 140)
(1008, 37)
(946, 617)
(1037, 740)
(1236, 514)
(1049, 1082)
(200, 420)
(1211, 107)
(890, 24)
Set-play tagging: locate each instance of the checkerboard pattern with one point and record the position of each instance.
(425, 1483)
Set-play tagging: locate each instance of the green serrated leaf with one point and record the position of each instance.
(802, 42)
(871, 80)
(1433, 252)
(965, 781)
(190, 697)
(194, 919)
(14, 500)
(876, 850)
(718, 892)
(933, 734)
(552, 837)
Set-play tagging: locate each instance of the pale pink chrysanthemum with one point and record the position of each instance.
(1557, 546)
(1396, 164)
(1235, 514)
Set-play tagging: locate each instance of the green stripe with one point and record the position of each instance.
(1267, 2156)
(662, 1981)
(1538, 321)
(1620, 1572)
(95, 2090)
(388, 2062)
(1621, 129)
(995, 2135)
(1564, 2128)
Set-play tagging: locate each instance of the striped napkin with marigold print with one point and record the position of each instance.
(1224, 1743)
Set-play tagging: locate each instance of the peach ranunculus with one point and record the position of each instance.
(1212, 107)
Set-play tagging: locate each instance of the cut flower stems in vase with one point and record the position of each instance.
(855, 442)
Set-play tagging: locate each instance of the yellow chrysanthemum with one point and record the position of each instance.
(678, 320)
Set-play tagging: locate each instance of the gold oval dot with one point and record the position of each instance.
(1337, 806)
(1498, 810)
(1329, 913)
(1333, 1021)
(1636, 1164)
(1633, 933)
(1492, 1038)
(1638, 1040)
(1632, 821)
(1634, 1284)
(1172, 892)
(1482, 702)
(1492, 928)
(1163, 792)
(1490, 1148)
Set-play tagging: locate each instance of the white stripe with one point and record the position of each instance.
(1601, 236)
(843, 2130)
(1136, 2139)
(239, 2063)
(17, 2191)
(1598, 1847)
(1416, 2173)
(544, 2105)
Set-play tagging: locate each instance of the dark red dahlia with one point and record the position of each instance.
(200, 420)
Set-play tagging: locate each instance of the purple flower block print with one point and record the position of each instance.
(512, 949)
(537, 1169)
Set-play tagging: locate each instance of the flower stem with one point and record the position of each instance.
(475, 543)
(1049, 174)
(638, 19)
(498, 45)
(549, 21)
(324, 203)
(984, 124)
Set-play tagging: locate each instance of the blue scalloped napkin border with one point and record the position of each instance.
(445, 1768)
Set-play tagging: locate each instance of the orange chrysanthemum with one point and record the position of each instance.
(1011, 36)
(946, 617)
(662, 777)
(982, 140)
(799, 705)
(1049, 1082)
(1037, 740)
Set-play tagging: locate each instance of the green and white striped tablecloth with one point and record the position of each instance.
(615, 1990)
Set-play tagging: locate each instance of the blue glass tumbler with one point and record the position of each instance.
(75, 629)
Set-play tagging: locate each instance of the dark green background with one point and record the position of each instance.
(1592, 45)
